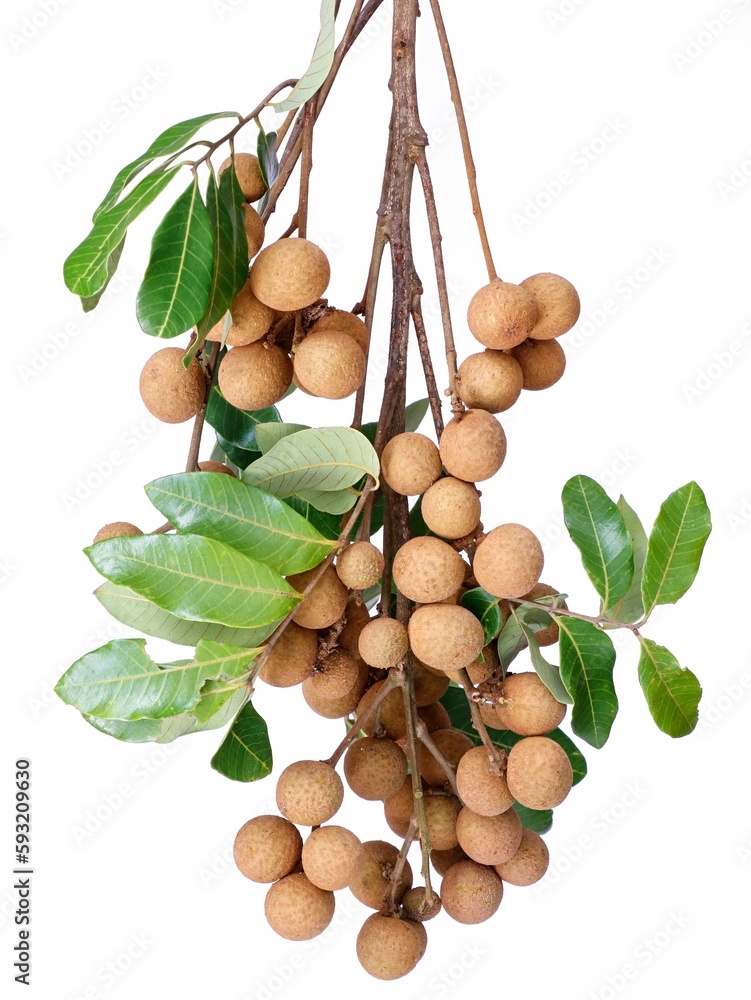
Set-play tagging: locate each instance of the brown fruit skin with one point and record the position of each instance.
(210, 466)
(330, 364)
(116, 529)
(169, 392)
(410, 463)
(388, 947)
(473, 446)
(383, 643)
(434, 716)
(528, 708)
(391, 719)
(331, 857)
(371, 885)
(546, 636)
(336, 708)
(443, 860)
(489, 840)
(249, 175)
(255, 231)
(539, 773)
(357, 617)
(255, 376)
(292, 658)
(471, 892)
(445, 636)
(398, 808)
(309, 792)
(490, 380)
(251, 320)
(427, 570)
(417, 905)
(557, 302)
(452, 744)
(441, 812)
(360, 565)
(375, 768)
(481, 791)
(530, 862)
(451, 508)
(326, 602)
(298, 910)
(509, 561)
(501, 315)
(290, 274)
(542, 362)
(430, 685)
(479, 671)
(346, 322)
(335, 676)
(267, 848)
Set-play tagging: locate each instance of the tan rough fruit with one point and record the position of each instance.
(434, 716)
(489, 840)
(490, 380)
(309, 792)
(357, 617)
(398, 808)
(116, 529)
(422, 934)
(443, 860)
(489, 715)
(390, 717)
(383, 643)
(388, 947)
(337, 708)
(530, 862)
(360, 565)
(326, 602)
(292, 658)
(441, 812)
(430, 685)
(445, 636)
(471, 892)
(451, 507)
(331, 857)
(249, 175)
(375, 767)
(542, 362)
(251, 320)
(452, 744)
(298, 910)
(371, 885)
(419, 906)
(290, 274)
(509, 561)
(267, 848)
(528, 708)
(410, 463)
(169, 392)
(255, 231)
(473, 446)
(539, 773)
(256, 376)
(209, 466)
(345, 322)
(330, 364)
(335, 675)
(427, 570)
(481, 791)
(546, 636)
(480, 670)
(557, 302)
(501, 315)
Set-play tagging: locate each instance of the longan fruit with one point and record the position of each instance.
(501, 315)
(309, 792)
(249, 175)
(480, 790)
(549, 635)
(445, 636)
(489, 840)
(441, 812)
(388, 947)
(452, 744)
(508, 561)
(398, 808)
(390, 715)
(329, 364)
(443, 860)
(335, 675)
(557, 302)
(171, 393)
(292, 658)
(298, 910)
(116, 529)
(375, 767)
(326, 602)
(356, 617)
(383, 643)
(360, 565)
(471, 892)
(434, 717)
(255, 376)
(479, 670)
(251, 320)
(372, 885)
(255, 231)
(418, 906)
(427, 570)
(539, 773)
(209, 466)
(542, 362)
(267, 848)
(530, 862)
(345, 322)
(430, 684)
(473, 446)
(331, 857)
(527, 707)
(451, 507)
(290, 274)
(410, 463)
(336, 708)
(490, 380)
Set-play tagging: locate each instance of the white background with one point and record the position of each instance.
(651, 855)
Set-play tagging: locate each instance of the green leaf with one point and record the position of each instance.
(86, 269)
(248, 519)
(267, 435)
(224, 276)
(675, 546)
(672, 692)
(196, 578)
(329, 525)
(267, 158)
(175, 290)
(630, 607)
(548, 673)
(513, 639)
(486, 608)
(232, 196)
(323, 57)
(331, 501)
(245, 754)
(539, 820)
(598, 530)
(413, 417)
(238, 427)
(136, 612)
(240, 458)
(92, 301)
(587, 662)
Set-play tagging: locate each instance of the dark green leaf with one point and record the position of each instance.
(329, 525)
(231, 194)
(587, 662)
(548, 673)
(223, 286)
(539, 820)
(672, 692)
(237, 426)
(90, 303)
(513, 639)
(245, 754)
(240, 458)
(486, 608)
(630, 607)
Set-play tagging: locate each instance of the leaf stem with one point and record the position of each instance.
(598, 620)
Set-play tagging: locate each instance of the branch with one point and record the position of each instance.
(598, 620)
(195, 441)
(401, 861)
(478, 721)
(427, 365)
(395, 679)
(427, 740)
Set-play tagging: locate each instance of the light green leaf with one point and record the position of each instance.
(548, 673)
(486, 608)
(332, 502)
(269, 164)
(513, 639)
(92, 301)
(630, 607)
(587, 662)
(672, 692)
(323, 57)
(245, 754)
(267, 435)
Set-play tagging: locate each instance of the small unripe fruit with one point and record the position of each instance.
(453, 745)
(298, 910)
(445, 636)
(427, 570)
(383, 643)
(360, 565)
(209, 466)
(471, 892)
(346, 322)
(473, 446)
(443, 860)
(430, 684)
(309, 792)
(539, 773)
(549, 635)
(508, 561)
(388, 947)
(489, 840)
(335, 675)
(331, 857)
(255, 231)
(375, 768)
(557, 302)
(490, 380)
(398, 808)
(267, 848)
(441, 812)
(542, 363)
(482, 791)
(451, 508)
(249, 175)
(527, 706)
(290, 274)
(530, 862)
(329, 364)
(501, 315)
(326, 602)
(372, 884)
(336, 708)
(116, 529)
(169, 392)
(251, 320)
(255, 376)
(292, 658)
(410, 463)
(418, 905)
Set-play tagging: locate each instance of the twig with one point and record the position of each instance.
(395, 679)
(401, 861)
(427, 365)
(427, 740)
(599, 621)
(478, 721)
(305, 169)
(195, 441)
